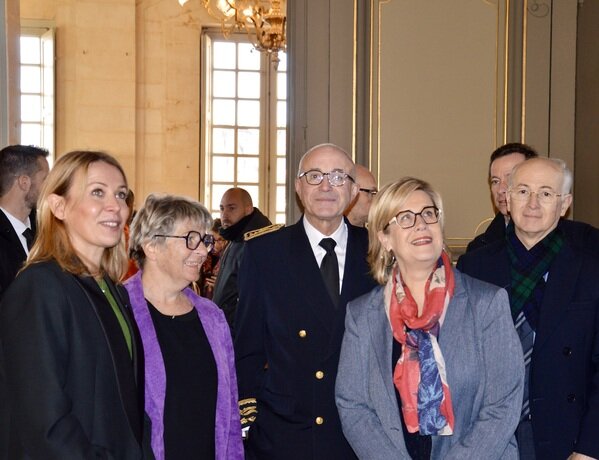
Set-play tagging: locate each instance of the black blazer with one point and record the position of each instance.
(12, 254)
(564, 374)
(72, 386)
(288, 342)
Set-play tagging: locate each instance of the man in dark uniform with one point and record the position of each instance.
(238, 216)
(290, 318)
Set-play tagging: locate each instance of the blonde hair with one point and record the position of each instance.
(52, 241)
(386, 204)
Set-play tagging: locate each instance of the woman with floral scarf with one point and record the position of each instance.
(431, 366)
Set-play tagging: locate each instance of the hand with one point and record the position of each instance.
(210, 281)
(577, 456)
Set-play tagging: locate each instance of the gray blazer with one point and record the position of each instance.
(485, 372)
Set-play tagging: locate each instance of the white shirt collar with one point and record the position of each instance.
(19, 227)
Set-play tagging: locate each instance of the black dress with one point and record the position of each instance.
(191, 386)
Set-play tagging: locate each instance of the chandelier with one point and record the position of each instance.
(263, 20)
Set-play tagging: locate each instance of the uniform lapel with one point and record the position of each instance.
(308, 281)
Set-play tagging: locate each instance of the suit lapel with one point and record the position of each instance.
(559, 292)
(382, 345)
(8, 233)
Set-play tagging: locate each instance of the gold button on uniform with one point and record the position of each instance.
(319, 420)
(319, 375)
(302, 334)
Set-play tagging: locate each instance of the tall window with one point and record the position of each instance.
(37, 87)
(245, 124)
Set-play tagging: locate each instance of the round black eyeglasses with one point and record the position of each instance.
(193, 240)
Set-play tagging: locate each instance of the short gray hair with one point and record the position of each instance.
(567, 177)
(159, 215)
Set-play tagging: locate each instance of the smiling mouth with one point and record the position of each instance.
(422, 241)
(111, 224)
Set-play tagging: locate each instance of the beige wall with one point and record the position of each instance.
(586, 188)
(128, 83)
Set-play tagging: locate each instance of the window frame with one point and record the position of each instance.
(267, 155)
(46, 32)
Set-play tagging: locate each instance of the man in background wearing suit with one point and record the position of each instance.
(23, 170)
(357, 211)
(502, 161)
(554, 299)
(294, 285)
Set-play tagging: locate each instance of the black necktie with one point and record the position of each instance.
(28, 234)
(330, 269)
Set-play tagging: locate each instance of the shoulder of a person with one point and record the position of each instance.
(367, 300)
(471, 285)
(482, 253)
(205, 306)
(261, 233)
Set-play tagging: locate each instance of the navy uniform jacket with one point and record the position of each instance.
(564, 373)
(288, 342)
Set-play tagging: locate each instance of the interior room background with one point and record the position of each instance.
(427, 88)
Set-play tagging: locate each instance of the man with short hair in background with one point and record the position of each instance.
(23, 170)
(502, 161)
(357, 211)
(238, 216)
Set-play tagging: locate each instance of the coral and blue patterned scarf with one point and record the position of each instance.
(419, 374)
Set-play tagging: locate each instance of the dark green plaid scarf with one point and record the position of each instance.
(527, 270)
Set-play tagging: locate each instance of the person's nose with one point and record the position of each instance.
(419, 222)
(201, 250)
(325, 184)
(502, 187)
(533, 200)
(113, 203)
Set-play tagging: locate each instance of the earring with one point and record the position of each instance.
(391, 259)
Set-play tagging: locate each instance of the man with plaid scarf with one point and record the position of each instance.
(554, 297)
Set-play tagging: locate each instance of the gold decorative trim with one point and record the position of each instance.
(261, 231)
(524, 42)
(247, 401)
(505, 69)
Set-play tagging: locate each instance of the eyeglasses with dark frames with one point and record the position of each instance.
(372, 192)
(336, 178)
(407, 219)
(193, 240)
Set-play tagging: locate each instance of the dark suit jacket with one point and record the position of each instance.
(564, 374)
(288, 342)
(72, 392)
(581, 235)
(12, 254)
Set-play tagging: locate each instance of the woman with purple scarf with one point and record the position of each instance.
(190, 381)
(431, 366)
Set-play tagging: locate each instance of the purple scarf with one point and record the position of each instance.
(227, 430)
